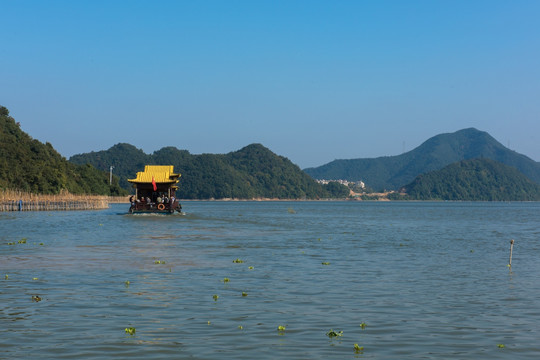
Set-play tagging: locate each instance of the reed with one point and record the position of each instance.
(15, 200)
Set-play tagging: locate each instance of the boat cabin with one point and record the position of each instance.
(155, 190)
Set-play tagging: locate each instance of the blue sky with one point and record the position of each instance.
(312, 80)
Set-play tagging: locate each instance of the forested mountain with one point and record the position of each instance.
(391, 172)
(27, 164)
(252, 172)
(477, 179)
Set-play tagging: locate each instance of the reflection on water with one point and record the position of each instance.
(429, 280)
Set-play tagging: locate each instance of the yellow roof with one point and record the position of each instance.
(160, 173)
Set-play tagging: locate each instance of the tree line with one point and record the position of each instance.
(28, 165)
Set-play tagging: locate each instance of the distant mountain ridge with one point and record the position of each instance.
(392, 172)
(251, 172)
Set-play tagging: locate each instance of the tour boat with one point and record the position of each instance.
(155, 191)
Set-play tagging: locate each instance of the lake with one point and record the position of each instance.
(401, 279)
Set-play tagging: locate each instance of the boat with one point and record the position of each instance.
(155, 191)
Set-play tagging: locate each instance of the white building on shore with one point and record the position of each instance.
(343, 182)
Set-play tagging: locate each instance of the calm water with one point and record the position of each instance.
(429, 280)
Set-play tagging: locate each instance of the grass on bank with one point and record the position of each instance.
(9, 197)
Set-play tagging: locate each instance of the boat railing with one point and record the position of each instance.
(153, 206)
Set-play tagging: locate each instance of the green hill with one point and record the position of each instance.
(391, 172)
(29, 165)
(475, 180)
(251, 172)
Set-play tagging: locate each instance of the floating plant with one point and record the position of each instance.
(7, 276)
(281, 328)
(226, 280)
(325, 263)
(215, 297)
(22, 241)
(35, 278)
(358, 348)
(238, 261)
(500, 346)
(363, 325)
(244, 293)
(332, 333)
(250, 268)
(130, 330)
(11, 243)
(240, 327)
(159, 262)
(36, 298)
(127, 282)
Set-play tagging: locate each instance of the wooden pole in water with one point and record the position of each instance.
(511, 249)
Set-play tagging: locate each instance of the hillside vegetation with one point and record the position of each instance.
(251, 172)
(477, 179)
(392, 172)
(29, 165)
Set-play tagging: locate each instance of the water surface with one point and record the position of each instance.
(429, 280)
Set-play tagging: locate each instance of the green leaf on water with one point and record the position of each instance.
(127, 282)
(250, 268)
(130, 330)
(159, 262)
(7, 276)
(281, 328)
(226, 280)
(244, 293)
(358, 348)
(500, 346)
(238, 261)
(215, 297)
(325, 263)
(36, 298)
(332, 333)
(363, 325)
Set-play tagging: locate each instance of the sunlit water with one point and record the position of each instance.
(429, 280)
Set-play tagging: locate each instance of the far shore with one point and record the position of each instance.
(22, 201)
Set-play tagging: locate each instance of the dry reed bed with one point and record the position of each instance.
(12, 200)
